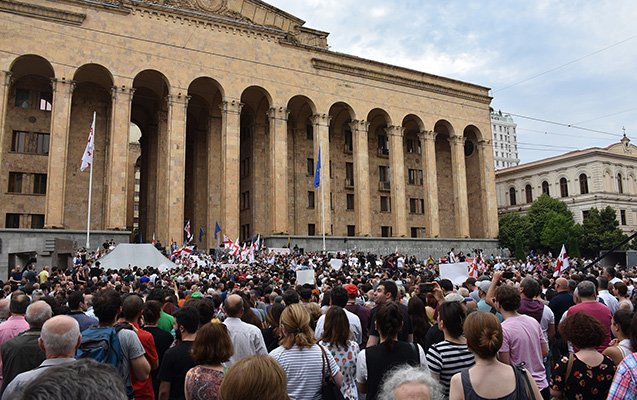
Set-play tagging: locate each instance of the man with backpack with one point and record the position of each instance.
(117, 345)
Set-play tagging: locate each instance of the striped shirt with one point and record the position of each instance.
(446, 359)
(303, 367)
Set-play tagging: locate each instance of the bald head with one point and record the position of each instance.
(60, 337)
(38, 313)
(233, 306)
(4, 309)
(561, 285)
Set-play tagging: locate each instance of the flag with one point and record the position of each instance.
(317, 174)
(473, 270)
(201, 233)
(187, 230)
(87, 157)
(154, 239)
(217, 229)
(482, 266)
(562, 262)
(289, 238)
(141, 240)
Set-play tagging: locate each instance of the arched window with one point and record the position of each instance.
(563, 187)
(620, 186)
(583, 184)
(512, 196)
(528, 190)
(545, 188)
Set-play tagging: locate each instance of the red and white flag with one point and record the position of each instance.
(87, 157)
(562, 262)
(187, 230)
(473, 270)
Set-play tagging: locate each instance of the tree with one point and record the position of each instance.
(600, 231)
(559, 229)
(515, 233)
(544, 208)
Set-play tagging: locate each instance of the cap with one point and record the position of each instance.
(454, 297)
(483, 285)
(352, 290)
(196, 295)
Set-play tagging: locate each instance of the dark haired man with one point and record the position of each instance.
(387, 291)
(338, 298)
(178, 359)
(78, 306)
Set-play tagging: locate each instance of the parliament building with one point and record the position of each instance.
(214, 111)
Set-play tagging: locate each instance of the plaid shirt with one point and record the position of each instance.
(625, 382)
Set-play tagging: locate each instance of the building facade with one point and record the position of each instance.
(234, 99)
(505, 140)
(583, 179)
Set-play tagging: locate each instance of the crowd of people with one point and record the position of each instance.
(369, 327)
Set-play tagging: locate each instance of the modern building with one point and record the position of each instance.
(583, 179)
(235, 100)
(505, 142)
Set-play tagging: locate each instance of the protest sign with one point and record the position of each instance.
(304, 276)
(456, 273)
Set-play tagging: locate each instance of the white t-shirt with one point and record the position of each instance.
(548, 318)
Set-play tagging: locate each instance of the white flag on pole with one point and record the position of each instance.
(87, 158)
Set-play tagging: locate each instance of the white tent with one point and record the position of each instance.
(141, 255)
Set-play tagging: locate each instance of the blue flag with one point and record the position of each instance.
(217, 229)
(201, 233)
(141, 240)
(317, 174)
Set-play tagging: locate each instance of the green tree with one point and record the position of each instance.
(543, 209)
(515, 233)
(600, 231)
(559, 229)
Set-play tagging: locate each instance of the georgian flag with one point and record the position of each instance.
(562, 262)
(87, 157)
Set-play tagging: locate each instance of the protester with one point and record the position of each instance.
(407, 383)
(336, 339)
(255, 374)
(586, 302)
(212, 347)
(419, 320)
(490, 378)
(16, 323)
(620, 290)
(339, 298)
(163, 340)
(271, 333)
(247, 339)
(300, 357)
(620, 346)
(78, 306)
(363, 313)
(386, 292)
(624, 384)
(584, 374)
(375, 361)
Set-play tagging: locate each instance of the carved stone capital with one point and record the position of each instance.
(395, 130)
(321, 119)
(122, 92)
(231, 106)
(178, 99)
(359, 125)
(456, 140)
(482, 143)
(57, 84)
(281, 113)
(8, 78)
(427, 136)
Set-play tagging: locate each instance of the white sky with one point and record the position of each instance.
(501, 44)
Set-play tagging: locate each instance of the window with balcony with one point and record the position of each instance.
(349, 143)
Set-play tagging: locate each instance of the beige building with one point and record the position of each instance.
(583, 179)
(233, 99)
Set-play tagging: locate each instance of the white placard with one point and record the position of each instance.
(456, 273)
(304, 276)
(279, 250)
(336, 264)
(229, 266)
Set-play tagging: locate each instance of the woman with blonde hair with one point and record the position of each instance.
(255, 377)
(301, 358)
(489, 378)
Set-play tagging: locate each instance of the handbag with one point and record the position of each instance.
(329, 389)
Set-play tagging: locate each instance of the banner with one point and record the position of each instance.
(456, 273)
(304, 276)
(336, 264)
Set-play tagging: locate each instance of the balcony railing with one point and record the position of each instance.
(349, 183)
(383, 152)
(384, 186)
(348, 149)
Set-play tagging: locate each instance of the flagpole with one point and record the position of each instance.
(323, 215)
(90, 191)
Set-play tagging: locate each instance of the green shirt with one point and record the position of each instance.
(166, 322)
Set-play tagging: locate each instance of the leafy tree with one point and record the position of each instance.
(544, 208)
(559, 229)
(600, 231)
(515, 233)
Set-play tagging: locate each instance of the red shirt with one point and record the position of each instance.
(598, 311)
(144, 389)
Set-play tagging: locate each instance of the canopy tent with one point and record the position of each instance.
(140, 255)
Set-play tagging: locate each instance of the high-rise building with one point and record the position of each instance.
(505, 144)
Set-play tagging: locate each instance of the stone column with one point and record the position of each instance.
(321, 123)
(175, 161)
(58, 148)
(459, 186)
(489, 196)
(5, 87)
(230, 130)
(397, 166)
(214, 179)
(279, 170)
(117, 173)
(428, 139)
(362, 198)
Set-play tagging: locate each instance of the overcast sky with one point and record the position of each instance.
(584, 51)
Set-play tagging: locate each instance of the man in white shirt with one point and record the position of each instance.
(610, 300)
(338, 298)
(247, 339)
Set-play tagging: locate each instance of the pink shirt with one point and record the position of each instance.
(522, 339)
(598, 311)
(10, 329)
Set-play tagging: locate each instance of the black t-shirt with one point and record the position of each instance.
(404, 333)
(176, 363)
(163, 340)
